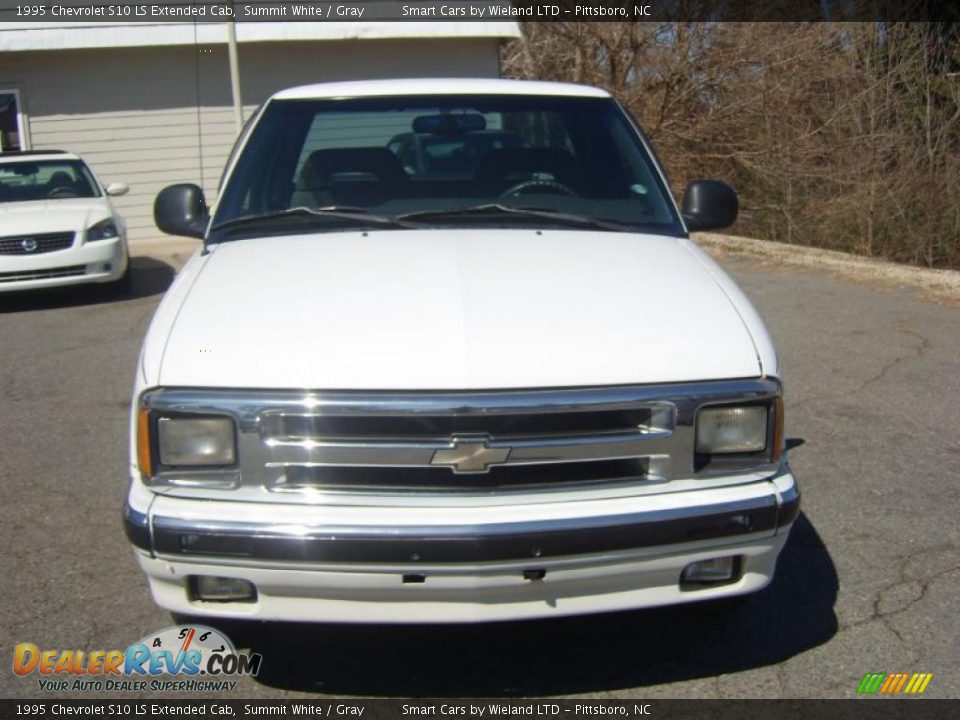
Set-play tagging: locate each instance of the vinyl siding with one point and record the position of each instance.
(151, 117)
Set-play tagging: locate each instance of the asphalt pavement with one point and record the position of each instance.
(869, 582)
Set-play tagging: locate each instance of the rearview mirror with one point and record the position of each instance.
(114, 189)
(709, 205)
(181, 210)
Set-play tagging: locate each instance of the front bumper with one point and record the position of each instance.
(597, 556)
(95, 262)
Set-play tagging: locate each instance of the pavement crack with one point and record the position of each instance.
(917, 351)
(914, 352)
(904, 581)
(892, 628)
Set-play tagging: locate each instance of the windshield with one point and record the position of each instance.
(46, 180)
(444, 161)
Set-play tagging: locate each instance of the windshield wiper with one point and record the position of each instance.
(496, 209)
(341, 212)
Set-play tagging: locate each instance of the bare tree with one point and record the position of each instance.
(839, 135)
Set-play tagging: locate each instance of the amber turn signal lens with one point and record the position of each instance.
(777, 448)
(144, 455)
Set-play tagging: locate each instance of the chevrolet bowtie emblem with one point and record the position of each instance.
(470, 455)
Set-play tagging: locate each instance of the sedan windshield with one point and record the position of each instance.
(46, 180)
(443, 161)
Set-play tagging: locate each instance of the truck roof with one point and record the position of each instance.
(438, 86)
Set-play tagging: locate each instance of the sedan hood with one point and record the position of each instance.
(454, 309)
(42, 216)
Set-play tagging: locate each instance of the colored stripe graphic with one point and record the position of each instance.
(871, 682)
(923, 681)
(889, 682)
(894, 683)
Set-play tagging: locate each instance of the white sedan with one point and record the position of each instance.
(57, 224)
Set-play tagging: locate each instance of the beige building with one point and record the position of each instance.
(151, 105)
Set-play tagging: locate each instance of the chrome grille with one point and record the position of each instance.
(377, 426)
(437, 442)
(35, 244)
(43, 274)
(299, 478)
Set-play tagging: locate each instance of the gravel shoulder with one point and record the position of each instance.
(941, 286)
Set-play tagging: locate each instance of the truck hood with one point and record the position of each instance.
(42, 216)
(454, 309)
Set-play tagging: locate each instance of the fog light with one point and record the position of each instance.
(715, 571)
(209, 588)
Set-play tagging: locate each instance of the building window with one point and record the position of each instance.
(12, 136)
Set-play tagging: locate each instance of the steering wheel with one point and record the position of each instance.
(551, 187)
(62, 191)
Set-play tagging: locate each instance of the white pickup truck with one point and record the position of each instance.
(446, 355)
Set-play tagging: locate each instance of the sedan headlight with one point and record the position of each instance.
(103, 230)
(196, 441)
(732, 429)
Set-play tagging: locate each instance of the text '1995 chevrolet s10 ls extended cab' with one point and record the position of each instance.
(447, 354)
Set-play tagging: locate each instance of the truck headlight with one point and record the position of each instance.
(732, 429)
(196, 441)
(103, 230)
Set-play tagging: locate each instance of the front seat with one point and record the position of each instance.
(349, 176)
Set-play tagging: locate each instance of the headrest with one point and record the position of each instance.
(322, 166)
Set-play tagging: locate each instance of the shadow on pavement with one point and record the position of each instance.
(148, 277)
(566, 655)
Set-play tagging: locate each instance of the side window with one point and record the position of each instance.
(539, 130)
(405, 150)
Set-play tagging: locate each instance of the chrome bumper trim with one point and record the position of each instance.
(196, 539)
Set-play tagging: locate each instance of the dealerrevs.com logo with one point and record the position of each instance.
(201, 658)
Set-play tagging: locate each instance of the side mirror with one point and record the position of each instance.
(181, 210)
(114, 189)
(709, 205)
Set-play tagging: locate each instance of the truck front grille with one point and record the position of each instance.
(442, 442)
(299, 478)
